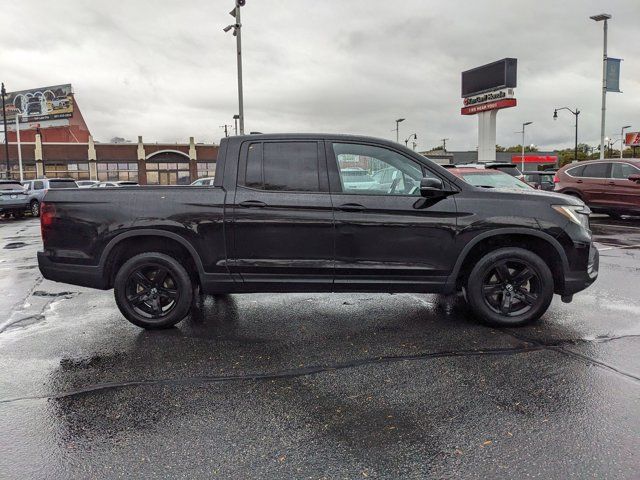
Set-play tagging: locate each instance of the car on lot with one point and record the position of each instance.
(509, 168)
(203, 182)
(487, 178)
(86, 183)
(13, 198)
(542, 179)
(609, 186)
(37, 188)
(117, 184)
(282, 217)
(356, 178)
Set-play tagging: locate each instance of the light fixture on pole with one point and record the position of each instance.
(522, 144)
(398, 129)
(235, 121)
(406, 140)
(575, 112)
(622, 138)
(603, 17)
(237, 32)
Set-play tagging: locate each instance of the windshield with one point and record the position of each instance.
(11, 186)
(494, 180)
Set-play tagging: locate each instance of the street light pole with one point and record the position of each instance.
(444, 145)
(406, 140)
(622, 138)
(235, 121)
(3, 93)
(599, 18)
(522, 158)
(575, 112)
(19, 147)
(237, 32)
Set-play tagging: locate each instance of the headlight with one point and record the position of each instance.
(578, 214)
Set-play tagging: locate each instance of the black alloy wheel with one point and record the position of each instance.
(511, 287)
(153, 290)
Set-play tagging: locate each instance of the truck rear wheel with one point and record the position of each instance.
(153, 290)
(510, 287)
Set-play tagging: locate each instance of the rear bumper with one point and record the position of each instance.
(13, 207)
(576, 281)
(83, 275)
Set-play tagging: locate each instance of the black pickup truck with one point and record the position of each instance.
(288, 214)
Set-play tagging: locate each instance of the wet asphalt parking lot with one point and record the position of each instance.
(318, 386)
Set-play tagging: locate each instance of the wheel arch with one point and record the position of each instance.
(166, 242)
(533, 240)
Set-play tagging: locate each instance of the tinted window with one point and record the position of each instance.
(283, 166)
(595, 170)
(623, 170)
(38, 185)
(253, 177)
(62, 184)
(576, 171)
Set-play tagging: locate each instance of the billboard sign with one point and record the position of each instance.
(484, 107)
(40, 104)
(632, 139)
(488, 78)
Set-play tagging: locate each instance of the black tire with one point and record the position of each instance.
(35, 208)
(510, 287)
(149, 301)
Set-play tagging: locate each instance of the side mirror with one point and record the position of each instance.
(431, 187)
(635, 178)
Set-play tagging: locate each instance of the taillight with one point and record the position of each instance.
(47, 215)
(556, 179)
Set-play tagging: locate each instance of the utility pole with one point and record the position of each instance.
(237, 32)
(235, 121)
(3, 93)
(622, 138)
(444, 145)
(226, 129)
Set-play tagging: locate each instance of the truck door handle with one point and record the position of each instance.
(252, 204)
(351, 207)
(578, 181)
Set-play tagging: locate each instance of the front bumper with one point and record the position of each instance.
(576, 281)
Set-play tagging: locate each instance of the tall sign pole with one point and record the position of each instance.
(3, 93)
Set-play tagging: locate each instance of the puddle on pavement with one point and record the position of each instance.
(14, 245)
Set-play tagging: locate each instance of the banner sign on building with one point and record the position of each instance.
(632, 139)
(40, 104)
(613, 75)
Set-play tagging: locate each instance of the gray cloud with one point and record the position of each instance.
(165, 70)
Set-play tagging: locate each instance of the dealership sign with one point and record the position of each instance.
(632, 139)
(40, 104)
(484, 107)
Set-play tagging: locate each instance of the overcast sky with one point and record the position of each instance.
(166, 70)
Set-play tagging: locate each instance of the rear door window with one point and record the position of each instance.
(38, 185)
(596, 170)
(283, 166)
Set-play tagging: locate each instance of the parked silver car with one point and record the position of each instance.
(36, 189)
(203, 182)
(13, 198)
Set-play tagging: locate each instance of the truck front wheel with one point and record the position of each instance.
(510, 287)
(153, 290)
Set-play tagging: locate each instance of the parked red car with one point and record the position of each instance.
(609, 186)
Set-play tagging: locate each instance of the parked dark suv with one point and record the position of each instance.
(609, 186)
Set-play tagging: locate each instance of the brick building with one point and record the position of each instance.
(148, 163)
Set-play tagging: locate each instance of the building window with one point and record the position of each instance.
(28, 171)
(206, 169)
(168, 173)
(112, 171)
(77, 171)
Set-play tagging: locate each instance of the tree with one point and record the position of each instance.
(518, 149)
(120, 140)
